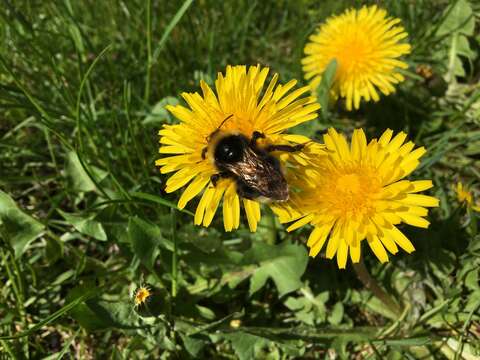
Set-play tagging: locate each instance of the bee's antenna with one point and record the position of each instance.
(218, 128)
(225, 120)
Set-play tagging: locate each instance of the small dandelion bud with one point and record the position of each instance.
(141, 295)
(149, 301)
(235, 323)
(465, 197)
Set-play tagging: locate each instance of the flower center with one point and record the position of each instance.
(353, 54)
(348, 184)
(351, 192)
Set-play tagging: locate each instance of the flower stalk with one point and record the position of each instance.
(174, 255)
(372, 285)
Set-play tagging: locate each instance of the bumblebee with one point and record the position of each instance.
(256, 172)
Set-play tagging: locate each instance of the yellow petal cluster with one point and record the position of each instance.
(366, 44)
(240, 95)
(465, 197)
(357, 192)
(141, 295)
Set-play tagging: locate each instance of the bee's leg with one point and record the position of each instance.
(246, 192)
(215, 177)
(204, 153)
(285, 148)
(255, 136)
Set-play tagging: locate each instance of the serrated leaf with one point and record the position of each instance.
(284, 264)
(85, 225)
(18, 228)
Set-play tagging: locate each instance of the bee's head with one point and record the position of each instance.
(230, 149)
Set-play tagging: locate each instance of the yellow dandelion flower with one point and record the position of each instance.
(141, 295)
(465, 196)
(239, 105)
(356, 192)
(366, 45)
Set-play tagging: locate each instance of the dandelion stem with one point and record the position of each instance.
(272, 229)
(372, 285)
(174, 255)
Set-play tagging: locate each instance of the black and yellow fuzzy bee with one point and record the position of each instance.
(256, 172)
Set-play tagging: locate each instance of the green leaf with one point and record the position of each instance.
(18, 228)
(244, 344)
(471, 280)
(78, 177)
(192, 345)
(374, 304)
(114, 313)
(205, 312)
(99, 314)
(463, 48)
(53, 249)
(85, 225)
(458, 22)
(159, 114)
(414, 341)
(323, 90)
(458, 17)
(145, 239)
(309, 308)
(336, 316)
(96, 313)
(284, 263)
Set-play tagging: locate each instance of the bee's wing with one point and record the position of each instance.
(261, 175)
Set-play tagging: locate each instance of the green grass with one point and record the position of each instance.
(84, 219)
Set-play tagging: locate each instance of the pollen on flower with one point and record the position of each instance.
(351, 192)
